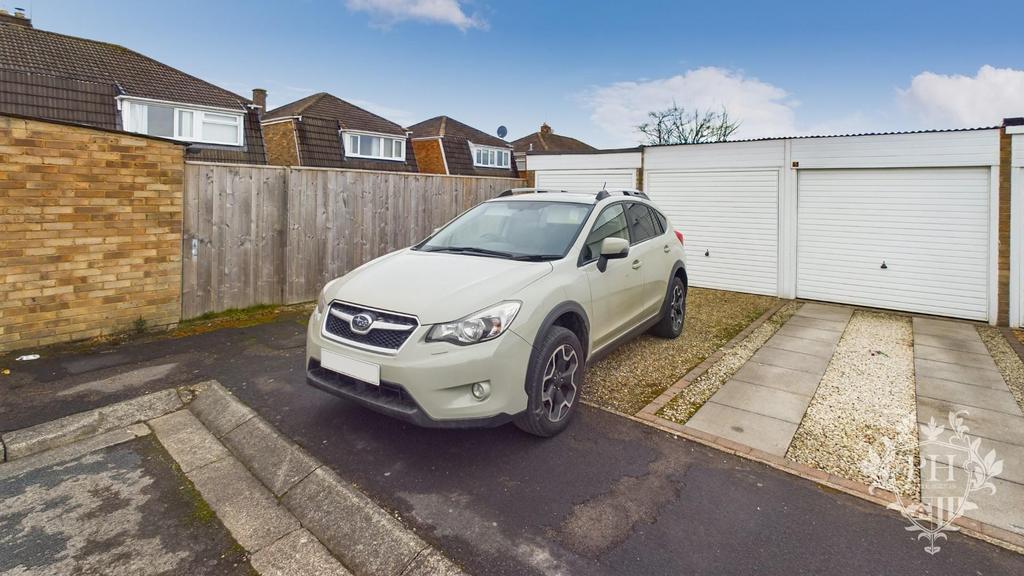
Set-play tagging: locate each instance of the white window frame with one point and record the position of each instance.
(199, 117)
(346, 145)
(498, 153)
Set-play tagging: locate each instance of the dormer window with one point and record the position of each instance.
(487, 157)
(183, 122)
(374, 146)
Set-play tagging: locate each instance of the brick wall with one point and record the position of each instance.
(428, 156)
(1003, 285)
(279, 140)
(90, 232)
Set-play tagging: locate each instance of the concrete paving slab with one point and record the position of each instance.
(755, 430)
(272, 458)
(983, 423)
(187, 440)
(794, 381)
(48, 435)
(802, 345)
(792, 360)
(963, 374)
(71, 451)
(1011, 455)
(1002, 509)
(978, 396)
(367, 539)
(218, 409)
(946, 328)
(246, 508)
(762, 400)
(970, 343)
(297, 553)
(971, 359)
(825, 312)
(818, 323)
(795, 331)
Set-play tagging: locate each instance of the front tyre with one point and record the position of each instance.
(553, 383)
(671, 323)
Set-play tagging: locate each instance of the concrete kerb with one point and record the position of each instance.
(63, 431)
(369, 540)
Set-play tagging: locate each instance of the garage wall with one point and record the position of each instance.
(589, 181)
(586, 172)
(1016, 225)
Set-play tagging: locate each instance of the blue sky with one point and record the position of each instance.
(592, 69)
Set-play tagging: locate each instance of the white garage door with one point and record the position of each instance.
(590, 181)
(731, 224)
(929, 226)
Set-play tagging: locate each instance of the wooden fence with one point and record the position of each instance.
(273, 235)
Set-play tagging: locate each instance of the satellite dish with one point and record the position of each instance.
(502, 131)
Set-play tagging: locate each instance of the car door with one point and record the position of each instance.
(646, 254)
(616, 292)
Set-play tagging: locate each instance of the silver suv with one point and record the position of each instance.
(494, 317)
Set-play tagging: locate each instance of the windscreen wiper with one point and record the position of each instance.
(472, 250)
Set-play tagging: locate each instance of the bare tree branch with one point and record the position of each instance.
(675, 125)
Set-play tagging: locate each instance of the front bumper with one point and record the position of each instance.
(429, 383)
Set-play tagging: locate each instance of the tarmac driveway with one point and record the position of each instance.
(610, 496)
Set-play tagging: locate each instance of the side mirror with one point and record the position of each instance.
(612, 249)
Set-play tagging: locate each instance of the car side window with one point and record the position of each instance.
(641, 223)
(660, 220)
(611, 223)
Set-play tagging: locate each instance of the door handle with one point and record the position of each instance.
(637, 264)
(666, 249)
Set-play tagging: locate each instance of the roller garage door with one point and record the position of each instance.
(590, 181)
(731, 224)
(906, 239)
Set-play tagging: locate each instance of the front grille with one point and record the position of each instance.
(380, 338)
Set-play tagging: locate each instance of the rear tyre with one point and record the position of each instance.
(553, 383)
(672, 320)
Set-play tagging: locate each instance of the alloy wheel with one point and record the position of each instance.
(676, 308)
(558, 390)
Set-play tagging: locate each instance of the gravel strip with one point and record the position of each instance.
(687, 402)
(630, 377)
(1007, 360)
(865, 404)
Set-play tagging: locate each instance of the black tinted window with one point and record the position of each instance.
(660, 220)
(611, 223)
(641, 223)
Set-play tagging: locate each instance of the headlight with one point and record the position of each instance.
(479, 327)
(321, 303)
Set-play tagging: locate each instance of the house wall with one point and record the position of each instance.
(92, 232)
(279, 140)
(429, 156)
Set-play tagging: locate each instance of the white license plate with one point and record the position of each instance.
(365, 371)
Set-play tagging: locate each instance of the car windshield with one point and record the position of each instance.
(516, 229)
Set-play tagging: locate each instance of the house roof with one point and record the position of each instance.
(444, 126)
(545, 140)
(27, 49)
(329, 107)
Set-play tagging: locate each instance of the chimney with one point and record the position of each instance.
(259, 98)
(18, 18)
(545, 129)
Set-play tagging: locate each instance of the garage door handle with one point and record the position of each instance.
(637, 264)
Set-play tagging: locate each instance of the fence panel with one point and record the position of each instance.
(272, 235)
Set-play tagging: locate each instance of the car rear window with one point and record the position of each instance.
(641, 223)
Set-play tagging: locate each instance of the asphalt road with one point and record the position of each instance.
(609, 496)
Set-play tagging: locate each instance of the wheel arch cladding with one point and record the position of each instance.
(679, 269)
(571, 316)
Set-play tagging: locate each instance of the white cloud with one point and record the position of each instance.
(762, 108)
(387, 12)
(955, 101)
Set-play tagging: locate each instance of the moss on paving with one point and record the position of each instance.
(239, 318)
(635, 374)
(687, 402)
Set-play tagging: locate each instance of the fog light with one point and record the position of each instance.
(481, 390)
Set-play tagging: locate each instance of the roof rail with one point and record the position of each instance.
(515, 191)
(634, 193)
